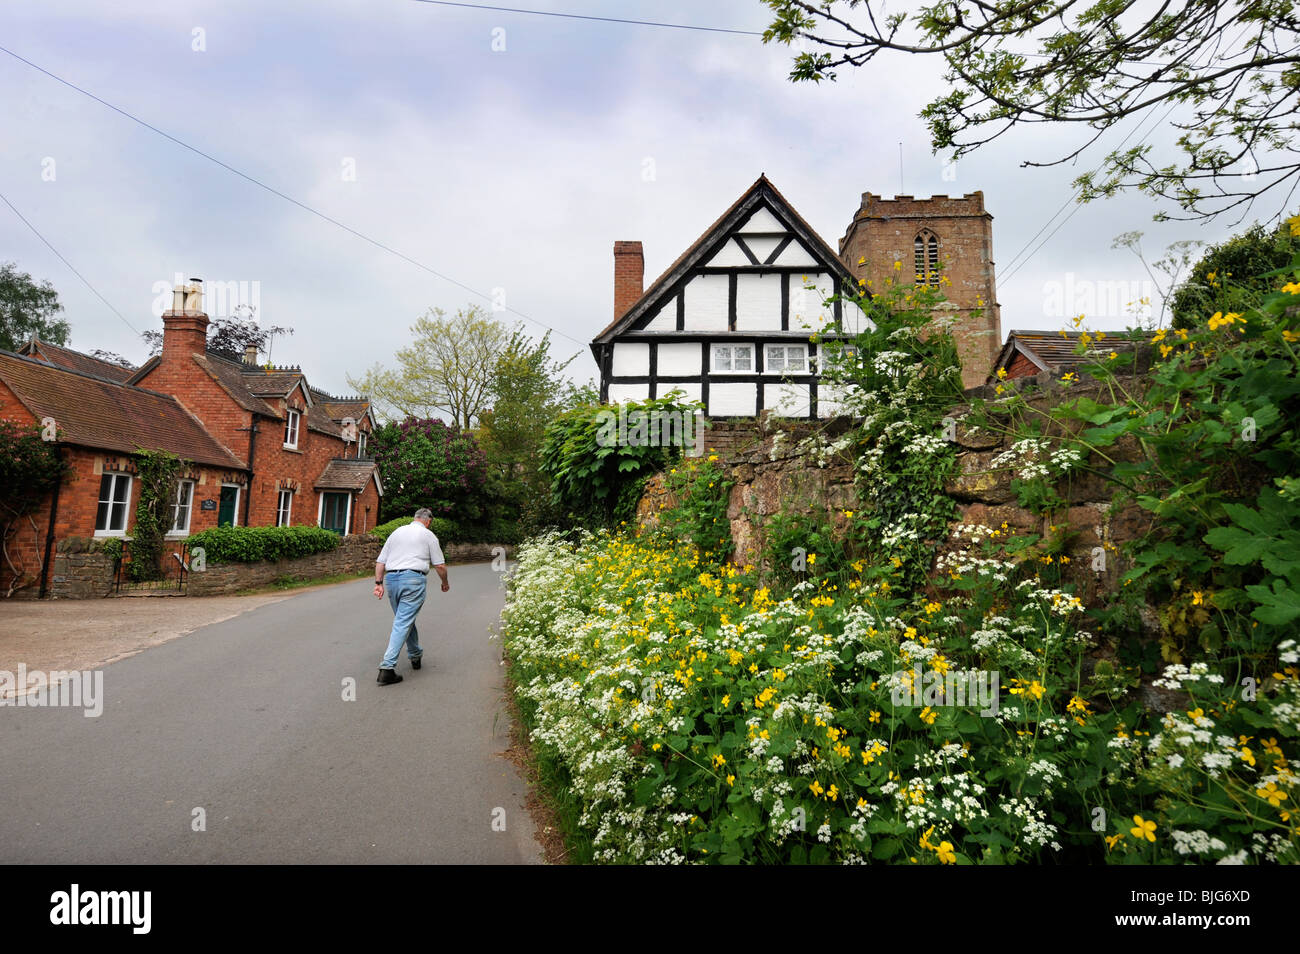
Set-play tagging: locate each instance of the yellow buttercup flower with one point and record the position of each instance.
(1271, 794)
(946, 854)
(1143, 829)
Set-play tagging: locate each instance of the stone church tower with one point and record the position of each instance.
(933, 237)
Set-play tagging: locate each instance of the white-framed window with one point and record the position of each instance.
(785, 359)
(114, 504)
(361, 444)
(181, 505)
(283, 508)
(733, 357)
(291, 429)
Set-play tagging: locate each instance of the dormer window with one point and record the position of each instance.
(291, 430)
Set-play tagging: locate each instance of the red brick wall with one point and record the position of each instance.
(1021, 367)
(883, 231)
(629, 276)
(205, 399)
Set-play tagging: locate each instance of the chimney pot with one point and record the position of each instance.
(250, 354)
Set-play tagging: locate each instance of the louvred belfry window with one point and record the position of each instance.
(926, 249)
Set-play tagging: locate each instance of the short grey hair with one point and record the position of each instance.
(424, 513)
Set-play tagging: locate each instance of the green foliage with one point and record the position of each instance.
(28, 308)
(1235, 275)
(900, 376)
(255, 544)
(156, 473)
(696, 716)
(384, 529)
(1007, 63)
(596, 466)
(446, 369)
(30, 469)
(426, 463)
(701, 488)
(528, 392)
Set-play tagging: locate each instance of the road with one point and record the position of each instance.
(247, 721)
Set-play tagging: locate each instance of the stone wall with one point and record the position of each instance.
(775, 474)
(82, 570)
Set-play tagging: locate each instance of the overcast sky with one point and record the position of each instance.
(512, 169)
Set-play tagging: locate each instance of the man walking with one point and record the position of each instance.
(403, 566)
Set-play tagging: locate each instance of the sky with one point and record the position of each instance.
(484, 157)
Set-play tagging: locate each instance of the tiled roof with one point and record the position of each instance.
(75, 360)
(319, 420)
(270, 382)
(230, 375)
(1055, 350)
(342, 474)
(93, 412)
(340, 407)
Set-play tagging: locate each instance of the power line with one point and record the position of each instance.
(83, 278)
(582, 16)
(276, 192)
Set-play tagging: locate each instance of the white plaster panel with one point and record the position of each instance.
(788, 400)
(806, 308)
(631, 358)
(706, 303)
(665, 319)
(621, 393)
(729, 254)
(762, 221)
(758, 302)
(680, 357)
(796, 255)
(732, 400)
(692, 389)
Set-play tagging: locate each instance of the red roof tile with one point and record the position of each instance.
(92, 412)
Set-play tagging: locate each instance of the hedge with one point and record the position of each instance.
(254, 544)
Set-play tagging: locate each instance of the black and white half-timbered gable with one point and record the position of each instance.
(729, 322)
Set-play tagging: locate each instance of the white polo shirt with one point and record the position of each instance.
(412, 547)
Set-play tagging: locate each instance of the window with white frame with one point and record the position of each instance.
(361, 444)
(114, 502)
(786, 359)
(291, 429)
(283, 508)
(181, 505)
(733, 357)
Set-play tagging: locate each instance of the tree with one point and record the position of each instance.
(1235, 275)
(28, 308)
(528, 392)
(1093, 64)
(230, 336)
(447, 368)
(426, 463)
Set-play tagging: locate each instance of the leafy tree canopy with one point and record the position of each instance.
(446, 369)
(1229, 71)
(27, 308)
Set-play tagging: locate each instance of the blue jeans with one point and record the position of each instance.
(406, 591)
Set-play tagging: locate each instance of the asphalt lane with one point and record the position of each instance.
(249, 721)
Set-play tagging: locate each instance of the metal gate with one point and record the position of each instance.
(168, 578)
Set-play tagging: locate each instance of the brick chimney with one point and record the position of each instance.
(185, 326)
(629, 276)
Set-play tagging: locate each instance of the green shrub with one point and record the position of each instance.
(254, 544)
(384, 529)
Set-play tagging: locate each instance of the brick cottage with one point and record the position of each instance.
(262, 446)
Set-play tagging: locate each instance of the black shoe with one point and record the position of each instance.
(388, 676)
(415, 663)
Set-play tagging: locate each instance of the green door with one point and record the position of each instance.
(229, 501)
(334, 512)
